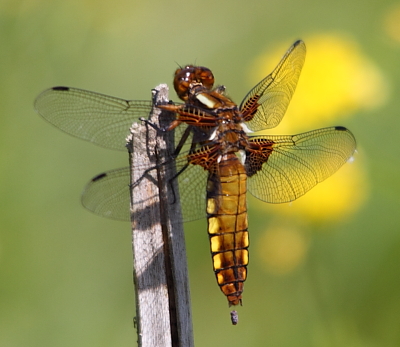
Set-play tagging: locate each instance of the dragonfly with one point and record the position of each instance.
(221, 158)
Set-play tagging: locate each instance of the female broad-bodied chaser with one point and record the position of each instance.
(219, 166)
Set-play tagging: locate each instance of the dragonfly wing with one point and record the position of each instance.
(107, 194)
(101, 119)
(265, 105)
(283, 168)
(192, 191)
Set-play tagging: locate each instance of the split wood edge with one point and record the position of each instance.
(163, 312)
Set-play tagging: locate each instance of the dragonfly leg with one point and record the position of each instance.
(145, 174)
(161, 130)
(172, 179)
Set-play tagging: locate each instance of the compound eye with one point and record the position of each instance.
(183, 78)
(178, 71)
(206, 77)
(182, 89)
(189, 76)
(181, 86)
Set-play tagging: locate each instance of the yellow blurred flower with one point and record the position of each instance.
(282, 249)
(338, 197)
(331, 201)
(114, 16)
(17, 7)
(337, 80)
(391, 22)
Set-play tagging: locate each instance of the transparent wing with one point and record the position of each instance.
(265, 105)
(101, 119)
(108, 195)
(283, 168)
(192, 190)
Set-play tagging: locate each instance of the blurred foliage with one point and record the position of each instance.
(324, 270)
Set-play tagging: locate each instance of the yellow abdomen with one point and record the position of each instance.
(227, 226)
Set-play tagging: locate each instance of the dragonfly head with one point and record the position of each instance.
(190, 76)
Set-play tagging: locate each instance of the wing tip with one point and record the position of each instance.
(298, 42)
(60, 88)
(98, 177)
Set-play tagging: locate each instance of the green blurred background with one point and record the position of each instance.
(324, 271)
